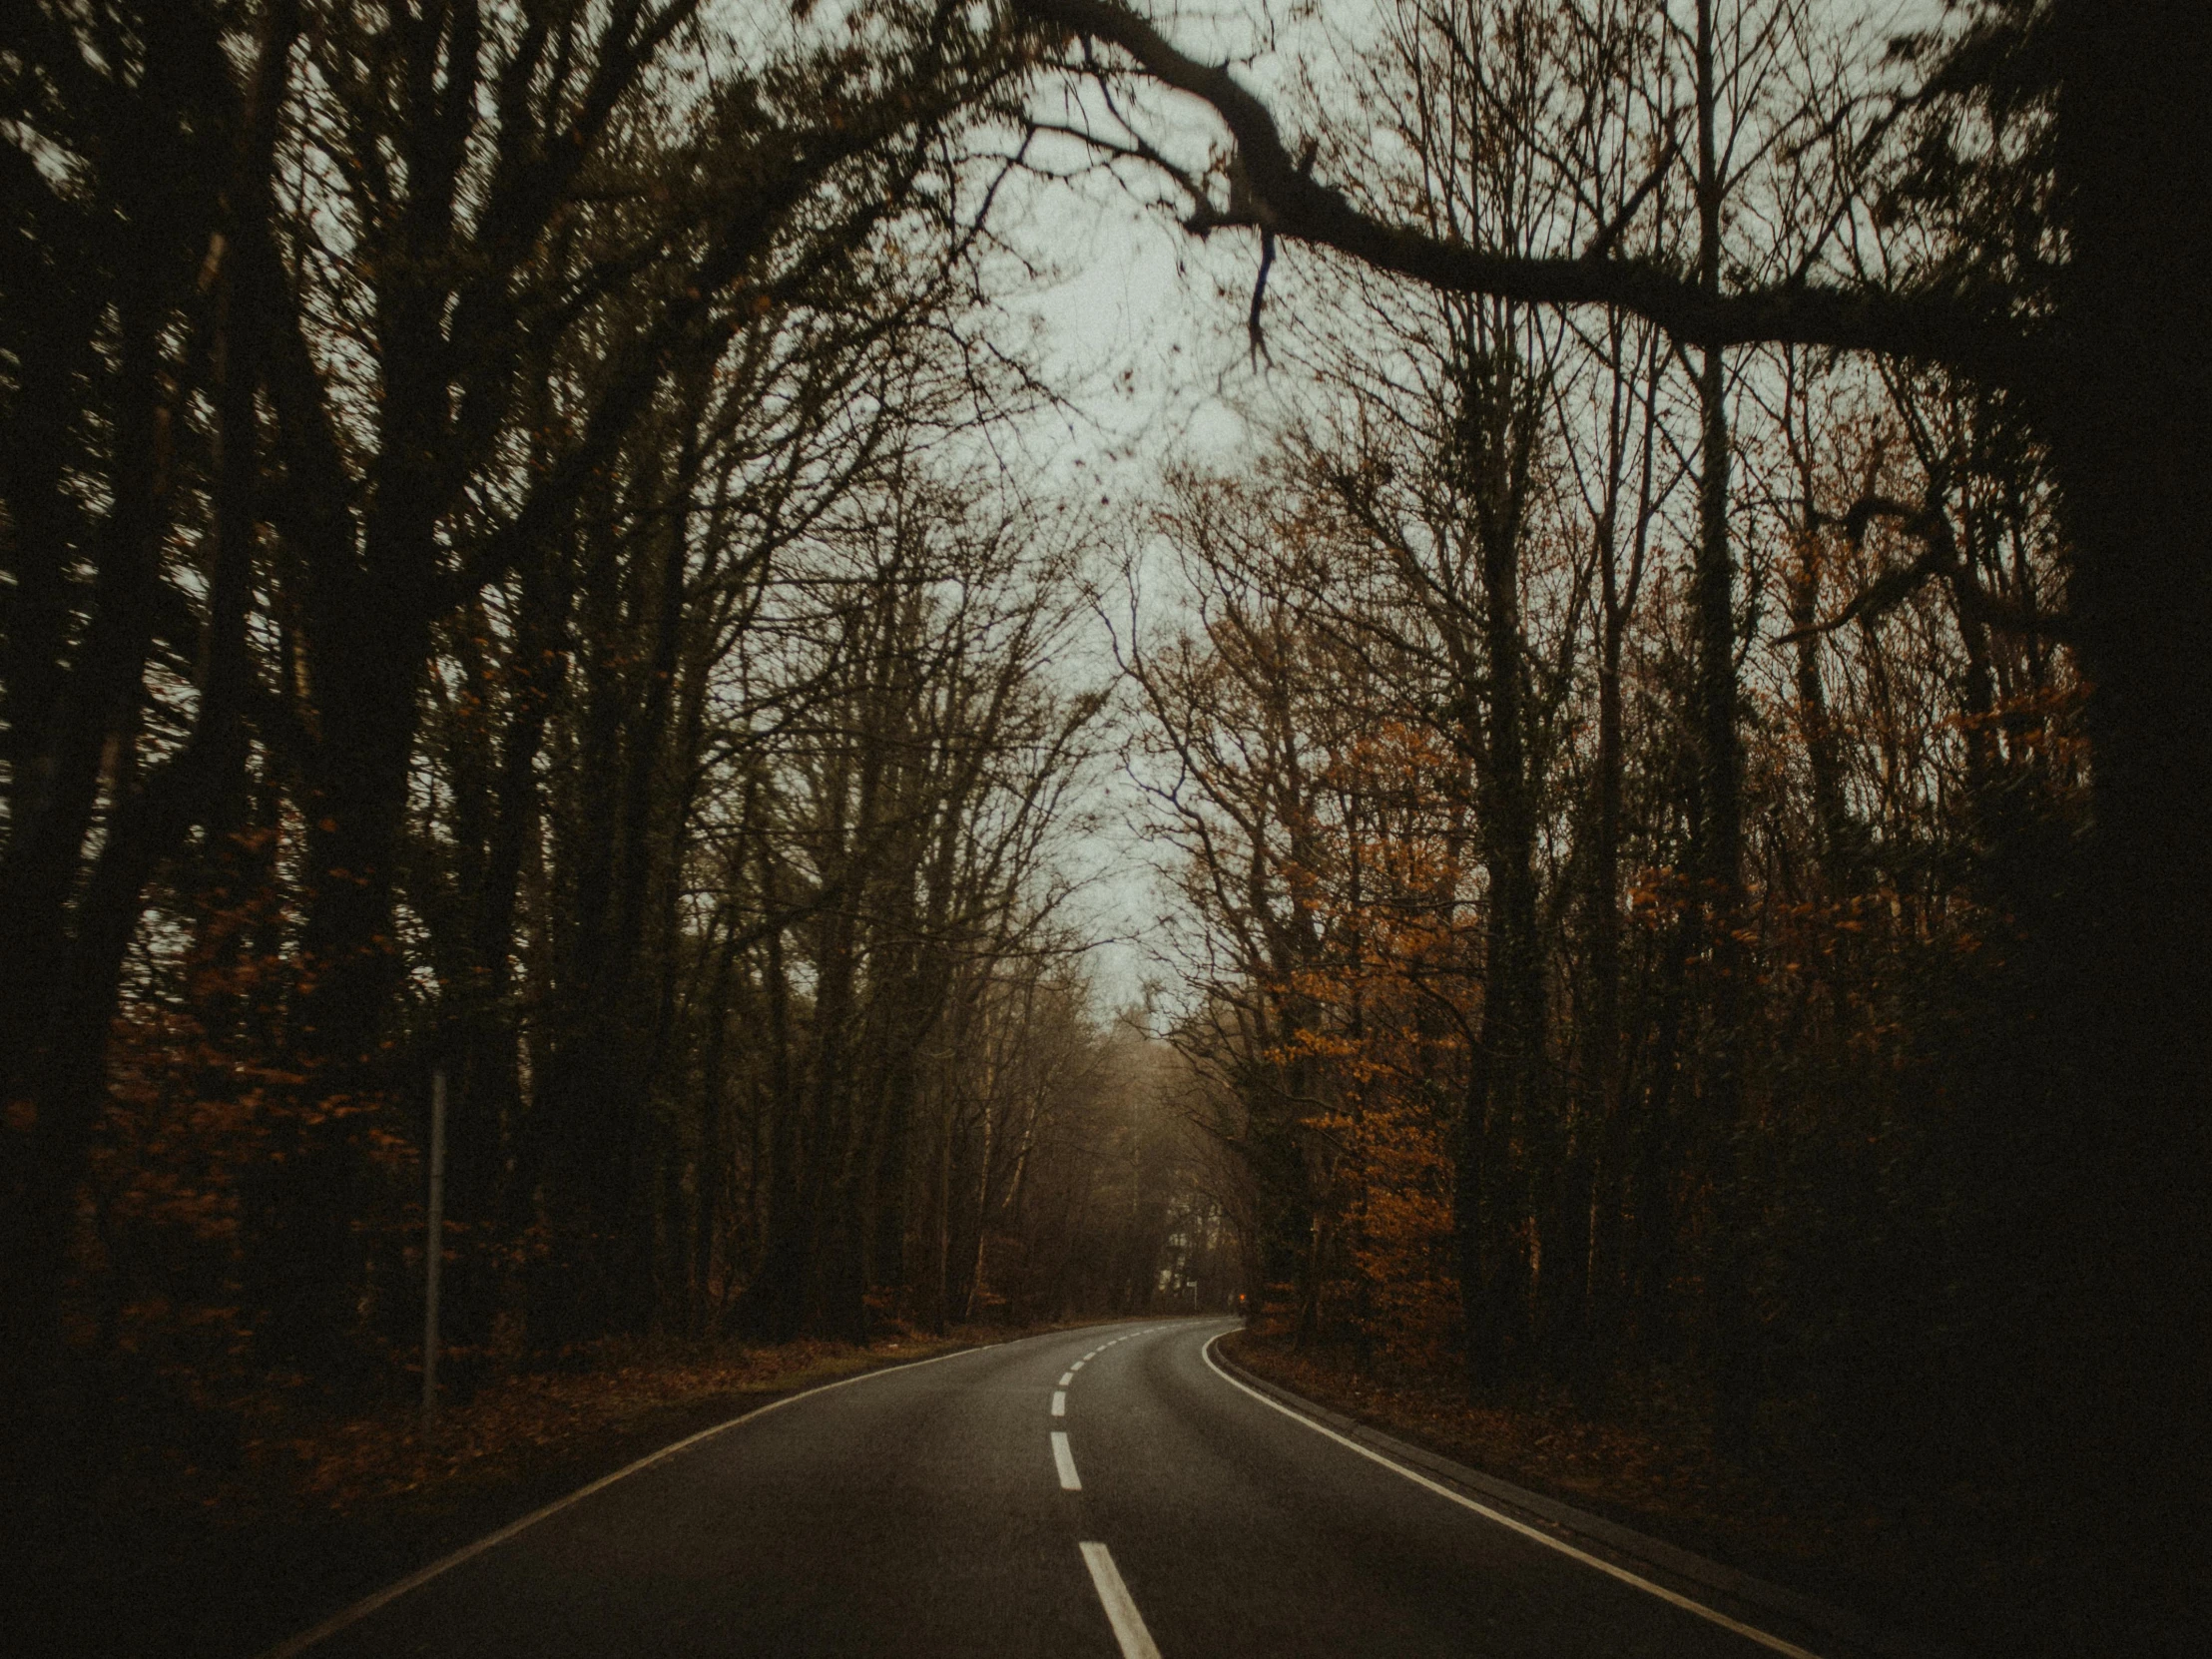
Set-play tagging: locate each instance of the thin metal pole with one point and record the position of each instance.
(433, 1250)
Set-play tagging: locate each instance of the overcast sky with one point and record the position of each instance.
(1141, 329)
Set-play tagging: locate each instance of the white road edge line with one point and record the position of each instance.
(1121, 1607)
(1064, 1459)
(414, 1581)
(1066, 1377)
(1764, 1639)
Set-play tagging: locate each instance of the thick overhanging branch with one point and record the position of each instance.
(1277, 195)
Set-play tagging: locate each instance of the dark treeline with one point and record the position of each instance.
(503, 578)
(1683, 752)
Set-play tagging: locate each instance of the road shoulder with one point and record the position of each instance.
(1846, 1631)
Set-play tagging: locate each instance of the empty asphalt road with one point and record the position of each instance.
(1099, 1491)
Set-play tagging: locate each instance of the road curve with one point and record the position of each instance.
(1103, 1491)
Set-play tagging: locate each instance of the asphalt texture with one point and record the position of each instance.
(921, 1512)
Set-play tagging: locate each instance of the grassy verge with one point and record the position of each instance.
(165, 1551)
(1973, 1570)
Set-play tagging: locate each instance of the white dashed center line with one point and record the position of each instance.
(1065, 1460)
(1059, 1402)
(1066, 1377)
(1121, 1608)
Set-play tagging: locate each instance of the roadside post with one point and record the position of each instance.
(434, 1253)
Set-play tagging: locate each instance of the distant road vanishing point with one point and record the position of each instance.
(1101, 1491)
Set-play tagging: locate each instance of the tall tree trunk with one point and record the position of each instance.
(1603, 1063)
(713, 1137)
(773, 1306)
(649, 847)
(1513, 996)
(1720, 838)
(485, 1036)
(2132, 435)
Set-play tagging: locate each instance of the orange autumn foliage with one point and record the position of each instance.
(203, 1102)
(1386, 1032)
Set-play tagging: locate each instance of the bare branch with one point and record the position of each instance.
(1276, 195)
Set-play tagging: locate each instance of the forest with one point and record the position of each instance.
(1674, 758)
